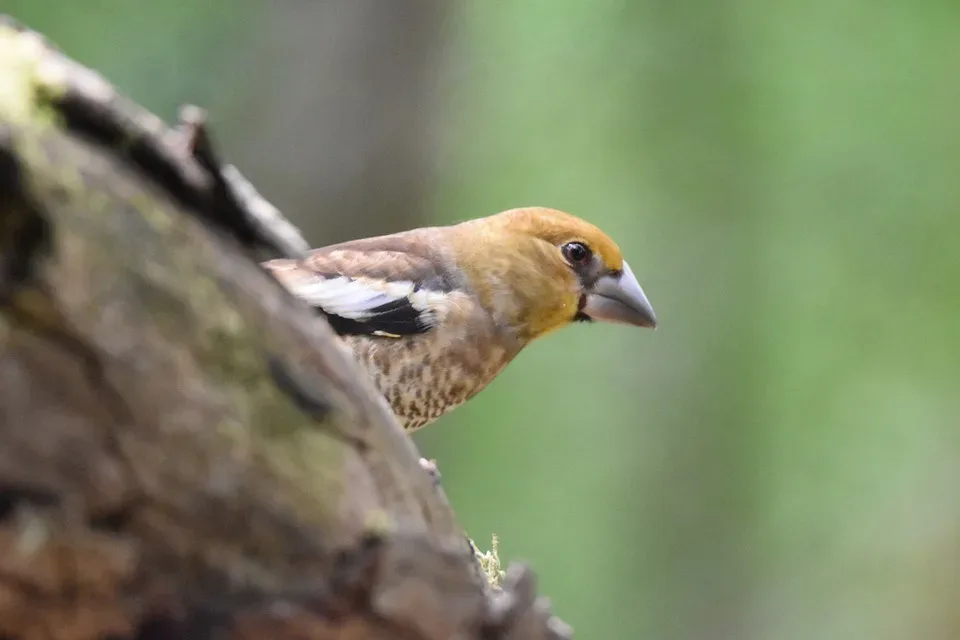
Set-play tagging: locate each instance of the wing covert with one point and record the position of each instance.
(385, 293)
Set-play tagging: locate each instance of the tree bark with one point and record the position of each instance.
(185, 449)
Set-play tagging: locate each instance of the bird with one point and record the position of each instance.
(434, 314)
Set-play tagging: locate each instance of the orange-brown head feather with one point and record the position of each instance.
(557, 228)
(515, 262)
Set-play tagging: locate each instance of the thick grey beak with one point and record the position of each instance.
(620, 300)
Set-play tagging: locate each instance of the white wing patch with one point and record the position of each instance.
(359, 298)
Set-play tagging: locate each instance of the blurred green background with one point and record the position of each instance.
(780, 459)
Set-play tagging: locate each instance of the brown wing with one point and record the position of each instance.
(382, 286)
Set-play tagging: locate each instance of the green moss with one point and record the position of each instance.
(490, 562)
(26, 74)
(378, 523)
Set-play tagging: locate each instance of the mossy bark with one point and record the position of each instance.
(185, 450)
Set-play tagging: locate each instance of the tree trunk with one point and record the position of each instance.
(185, 449)
(355, 111)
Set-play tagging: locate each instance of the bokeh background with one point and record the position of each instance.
(780, 459)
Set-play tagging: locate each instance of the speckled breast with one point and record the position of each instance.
(424, 377)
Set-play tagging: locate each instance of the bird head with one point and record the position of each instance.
(537, 270)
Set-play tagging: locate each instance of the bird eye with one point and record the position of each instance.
(576, 253)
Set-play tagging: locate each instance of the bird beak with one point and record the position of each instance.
(620, 299)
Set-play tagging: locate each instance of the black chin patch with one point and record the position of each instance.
(581, 316)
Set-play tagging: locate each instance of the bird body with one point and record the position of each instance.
(435, 314)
